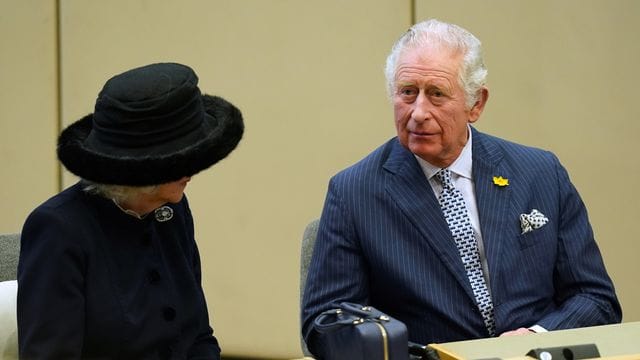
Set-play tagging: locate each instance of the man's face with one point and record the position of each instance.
(429, 104)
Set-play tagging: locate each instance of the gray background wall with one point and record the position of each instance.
(308, 77)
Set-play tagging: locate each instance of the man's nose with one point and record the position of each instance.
(421, 108)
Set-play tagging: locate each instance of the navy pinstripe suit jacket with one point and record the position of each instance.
(383, 241)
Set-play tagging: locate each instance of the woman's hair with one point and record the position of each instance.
(472, 72)
(118, 193)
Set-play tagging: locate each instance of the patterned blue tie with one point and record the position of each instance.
(455, 212)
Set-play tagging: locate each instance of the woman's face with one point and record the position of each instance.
(171, 192)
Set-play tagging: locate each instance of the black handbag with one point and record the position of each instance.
(356, 332)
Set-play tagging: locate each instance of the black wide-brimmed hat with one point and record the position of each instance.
(151, 125)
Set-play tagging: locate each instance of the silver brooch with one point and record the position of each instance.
(164, 213)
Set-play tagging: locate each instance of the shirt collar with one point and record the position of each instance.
(461, 166)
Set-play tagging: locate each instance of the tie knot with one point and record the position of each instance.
(444, 175)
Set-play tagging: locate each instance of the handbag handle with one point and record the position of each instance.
(348, 314)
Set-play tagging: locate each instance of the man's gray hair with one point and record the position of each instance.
(472, 73)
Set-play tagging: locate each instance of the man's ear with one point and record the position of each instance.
(478, 107)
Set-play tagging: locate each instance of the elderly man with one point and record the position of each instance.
(458, 234)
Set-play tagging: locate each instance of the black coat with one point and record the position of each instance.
(95, 283)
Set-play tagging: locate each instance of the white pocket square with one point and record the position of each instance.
(532, 221)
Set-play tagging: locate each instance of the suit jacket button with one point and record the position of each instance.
(169, 313)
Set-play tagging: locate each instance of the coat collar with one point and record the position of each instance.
(493, 203)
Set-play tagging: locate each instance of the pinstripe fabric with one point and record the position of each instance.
(383, 241)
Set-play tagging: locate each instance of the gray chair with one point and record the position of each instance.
(308, 241)
(9, 253)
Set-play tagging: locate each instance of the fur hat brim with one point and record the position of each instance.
(224, 126)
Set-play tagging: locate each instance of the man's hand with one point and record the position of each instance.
(520, 331)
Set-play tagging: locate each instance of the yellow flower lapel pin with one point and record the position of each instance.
(500, 181)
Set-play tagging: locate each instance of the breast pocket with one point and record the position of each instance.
(543, 236)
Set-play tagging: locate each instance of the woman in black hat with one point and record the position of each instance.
(109, 268)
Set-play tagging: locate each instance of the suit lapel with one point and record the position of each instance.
(493, 203)
(408, 186)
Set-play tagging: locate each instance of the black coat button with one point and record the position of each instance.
(169, 313)
(165, 353)
(146, 239)
(154, 276)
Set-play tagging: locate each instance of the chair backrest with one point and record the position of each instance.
(308, 241)
(9, 254)
(8, 320)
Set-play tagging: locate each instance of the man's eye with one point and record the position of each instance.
(437, 93)
(408, 92)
